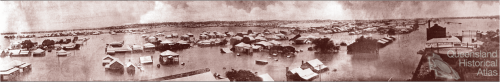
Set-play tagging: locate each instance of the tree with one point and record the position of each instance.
(324, 45)
(364, 45)
(242, 75)
(60, 41)
(250, 32)
(48, 42)
(391, 31)
(27, 44)
(491, 34)
(224, 42)
(246, 40)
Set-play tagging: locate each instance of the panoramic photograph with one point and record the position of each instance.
(249, 40)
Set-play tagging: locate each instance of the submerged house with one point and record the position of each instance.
(168, 57)
(116, 44)
(301, 74)
(115, 65)
(315, 65)
(235, 40)
(130, 68)
(11, 69)
(108, 59)
(265, 45)
(242, 47)
(149, 47)
(259, 38)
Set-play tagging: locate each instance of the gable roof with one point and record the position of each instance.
(266, 77)
(166, 41)
(38, 51)
(243, 45)
(168, 53)
(115, 64)
(109, 57)
(307, 74)
(315, 62)
(130, 64)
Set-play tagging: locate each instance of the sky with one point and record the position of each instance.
(18, 16)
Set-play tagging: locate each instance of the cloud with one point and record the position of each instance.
(11, 16)
(239, 11)
(62, 15)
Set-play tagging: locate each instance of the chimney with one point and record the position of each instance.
(429, 24)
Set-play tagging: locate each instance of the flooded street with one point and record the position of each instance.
(397, 30)
(395, 61)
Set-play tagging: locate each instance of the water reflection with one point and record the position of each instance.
(347, 66)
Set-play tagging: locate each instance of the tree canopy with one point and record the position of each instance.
(242, 75)
(391, 32)
(48, 42)
(363, 44)
(27, 44)
(250, 31)
(324, 45)
(224, 42)
(247, 40)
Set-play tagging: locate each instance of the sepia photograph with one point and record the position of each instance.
(248, 40)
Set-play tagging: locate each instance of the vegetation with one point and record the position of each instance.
(249, 31)
(242, 75)
(247, 40)
(490, 42)
(48, 42)
(224, 42)
(391, 31)
(27, 44)
(324, 45)
(363, 45)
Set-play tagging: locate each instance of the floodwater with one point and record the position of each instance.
(397, 61)
(469, 24)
